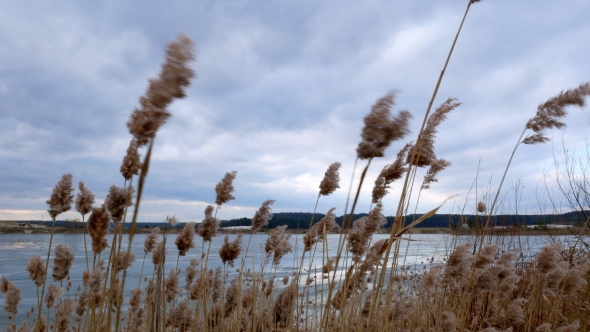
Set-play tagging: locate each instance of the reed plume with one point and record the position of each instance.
(84, 200)
(230, 250)
(62, 262)
(380, 129)
(151, 240)
(13, 296)
(481, 207)
(362, 231)
(277, 244)
(425, 155)
(437, 166)
(174, 77)
(36, 269)
(262, 216)
(331, 179)
(98, 228)
(54, 294)
(131, 162)
(185, 240)
(117, 200)
(390, 173)
(318, 231)
(209, 226)
(225, 188)
(123, 260)
(61, 198)
(550, 112)
(63, 314)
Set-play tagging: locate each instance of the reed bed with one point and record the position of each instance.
(481, 286)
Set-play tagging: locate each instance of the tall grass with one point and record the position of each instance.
(486, 289)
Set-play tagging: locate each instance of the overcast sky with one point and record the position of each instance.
(281, 91)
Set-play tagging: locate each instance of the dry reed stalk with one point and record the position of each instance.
(59, 202)
(403, 197)
(144, 123)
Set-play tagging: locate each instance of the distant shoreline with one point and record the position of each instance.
(24, 228)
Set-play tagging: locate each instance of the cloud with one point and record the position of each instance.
(281, 92)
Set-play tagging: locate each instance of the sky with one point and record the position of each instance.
(281, 91)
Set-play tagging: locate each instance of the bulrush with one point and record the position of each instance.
(185, 240)
(209, 226)
(262, 216)
(318, 231)
(98, 228)
(225, 188)
(230, 250)
(550, 112)
(277, 245)
(84, 200)
(61, 198)
(36, 269)
(131, 162)
(331, 179)
(62, 262)
(13, 296)
(117, 199)
(174, 78)
(151, 240)
(436, 167)
(390, 173)
(425, 155)
(381, 129)
(158, 255)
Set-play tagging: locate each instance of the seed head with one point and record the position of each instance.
(84, 200)
(435, 167)
(174, 78)
(424, 155)
(36, 269)
(481, 207)
(185, 239)
(61, 198)
(209, 226)
(262, 216)
(230, 250)
(380, 129)
(62, 263)
(98, 228)
(225, 188)
(131, 162)
(278, 244)
(550, 113)
(331, 179)
(117, 200)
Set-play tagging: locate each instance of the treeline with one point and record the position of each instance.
(302, 220)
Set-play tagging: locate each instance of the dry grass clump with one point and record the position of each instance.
(185, 240)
